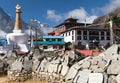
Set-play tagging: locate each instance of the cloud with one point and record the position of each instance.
(80, 14)
(112, 5)
(53, 16)
(2, 33)
(77, 13)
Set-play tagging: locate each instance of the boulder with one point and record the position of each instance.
(71, 73)
(82, 76)
(95, 78)
(114, 68)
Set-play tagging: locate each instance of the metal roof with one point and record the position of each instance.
(52, 37)
(49, 43)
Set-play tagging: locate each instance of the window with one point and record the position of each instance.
(93, 33)
(79, 32)
(54, 46)
(47, 39)
(108, 33)
(53, 39)
(59, 39)
(108, 38)
(102, 38)
(72, 32)
(61, 47)
(78, 37)
(66, 34)
(102, 33)
(45, 47)
(72, 37)
(85, 37)
(69, 33)
(84, 32)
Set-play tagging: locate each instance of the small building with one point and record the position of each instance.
(3, 45)
(51, 43)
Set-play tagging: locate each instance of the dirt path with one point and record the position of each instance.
(3, 79)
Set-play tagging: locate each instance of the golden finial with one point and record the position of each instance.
(18, 25)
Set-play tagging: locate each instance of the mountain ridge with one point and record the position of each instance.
(107, 17)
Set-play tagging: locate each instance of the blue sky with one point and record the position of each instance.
(53, 12)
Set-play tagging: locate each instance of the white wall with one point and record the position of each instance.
(68, 38)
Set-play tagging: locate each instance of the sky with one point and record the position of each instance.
(53, 12)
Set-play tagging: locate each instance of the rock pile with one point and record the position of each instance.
(20, 70)
(66, 68)
(103, 68)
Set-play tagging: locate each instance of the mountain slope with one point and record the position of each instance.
(106, 17)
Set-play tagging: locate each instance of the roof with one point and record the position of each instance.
(71, 19)
(88, 52)
(45, 37)
(49, 43)
(53, 32)
(3, 41)
(86, 28)
(2, 38)
(85, 52)
(73, 24)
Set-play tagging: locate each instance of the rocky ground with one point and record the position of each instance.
(57, 67)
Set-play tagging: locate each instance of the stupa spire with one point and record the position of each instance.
(18, 25)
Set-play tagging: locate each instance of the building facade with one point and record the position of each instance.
(87, 35)
(82, 33)
(51, 43)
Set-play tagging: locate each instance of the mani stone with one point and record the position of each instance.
(17, 65)
(71, 73)
(43, 64)
(105, 77)
(76, 66)
(27, 65)
(85, 65)
(93, 67)
(64, 70)
(111, 79)
(66, 60)
(55, 68)
(59, 68)
(111, 50)
(82, 76)
(114, 68)
(82, 61)
(98, 70)
(36, 63)
(1, 64)
(95, 60)
(95, 78)
(50, 68)
(118, 78)
(103, 64)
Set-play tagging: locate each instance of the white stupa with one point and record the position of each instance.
(18, 38)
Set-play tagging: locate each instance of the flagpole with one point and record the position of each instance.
(111, 32)
(85, 22)
(31, 38)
